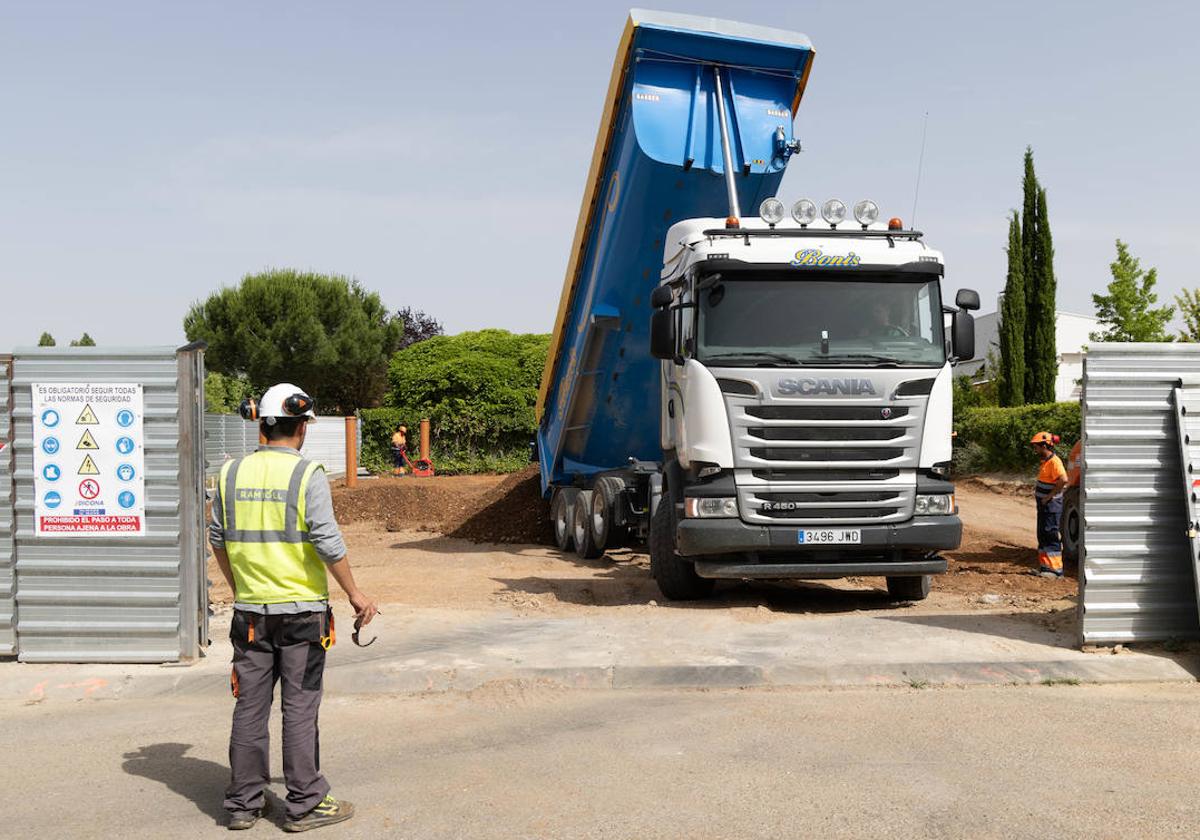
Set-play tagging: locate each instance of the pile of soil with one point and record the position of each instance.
(513, 512)
(412, 504)
(480, 508)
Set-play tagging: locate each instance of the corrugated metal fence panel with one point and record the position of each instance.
(8, 638)
(1186, 402)
(1136, 579)
(229, 436)
(103, 599)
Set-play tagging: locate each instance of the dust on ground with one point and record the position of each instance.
(419, 542)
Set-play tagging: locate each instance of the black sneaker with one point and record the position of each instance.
(330, 811)
(241, 820)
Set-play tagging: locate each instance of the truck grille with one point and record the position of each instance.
(863, 455)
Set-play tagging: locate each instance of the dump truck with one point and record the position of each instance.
(753, 398)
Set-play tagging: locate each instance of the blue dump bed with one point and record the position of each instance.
(657, 160)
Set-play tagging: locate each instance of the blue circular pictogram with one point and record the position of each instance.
(125, 418)
(126, 472)
(50, 445)
(51, 472)
(52, 499)
(126, 499)
(124, 445)
(50, 418)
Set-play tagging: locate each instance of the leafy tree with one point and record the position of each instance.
(1189, 307)
(1011, 371)
(478, 389)
(1042, 317)
(46, 340)
(325, 333)
(418, 326)
(1127, 312)
(84, 340)
(223, 394)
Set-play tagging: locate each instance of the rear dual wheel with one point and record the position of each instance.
(561, 514)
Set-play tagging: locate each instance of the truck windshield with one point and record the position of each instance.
(877, 320)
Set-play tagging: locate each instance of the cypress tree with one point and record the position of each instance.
(1012, 322)
(1029, 238)
(1041, 322)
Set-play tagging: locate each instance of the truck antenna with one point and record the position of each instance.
(920, 165)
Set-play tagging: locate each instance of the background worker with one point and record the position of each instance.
(1048, 493)
(274, 535)
(399, 449)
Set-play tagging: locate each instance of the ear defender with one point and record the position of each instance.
(248, 409)
(298, 404)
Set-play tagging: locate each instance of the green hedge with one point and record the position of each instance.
(379, 423)
(997, 439)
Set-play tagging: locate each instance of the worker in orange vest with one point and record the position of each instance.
(1051, 479)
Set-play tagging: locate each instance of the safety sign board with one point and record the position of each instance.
(89, 460)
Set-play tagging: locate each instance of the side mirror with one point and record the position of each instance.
(660, 297)
(962, 332)
(662, 334)
(967, 299)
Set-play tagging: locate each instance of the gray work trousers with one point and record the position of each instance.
(269, 649)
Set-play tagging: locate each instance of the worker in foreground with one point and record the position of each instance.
(1048, 493)
(274, 535)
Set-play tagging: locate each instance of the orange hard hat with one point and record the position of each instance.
(1046, 438)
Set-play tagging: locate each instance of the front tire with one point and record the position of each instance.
(909, 588)
(675, 575)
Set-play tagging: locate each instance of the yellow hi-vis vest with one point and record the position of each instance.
(266, 537)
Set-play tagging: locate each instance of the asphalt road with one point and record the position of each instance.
(511, 760)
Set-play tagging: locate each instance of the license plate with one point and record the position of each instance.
(830, 536)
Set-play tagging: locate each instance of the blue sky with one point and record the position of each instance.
(152, 152)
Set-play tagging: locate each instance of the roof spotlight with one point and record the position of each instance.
(771, 211)
(866, 212)
(804, 212)
(833, 211)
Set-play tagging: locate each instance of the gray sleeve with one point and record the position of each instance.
(216, 526)
(318, 516)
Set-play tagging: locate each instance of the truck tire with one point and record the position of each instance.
(560, 517)
(1071, 525)
(581, 527)
(914, 588)
(605, 496)
(675, 575)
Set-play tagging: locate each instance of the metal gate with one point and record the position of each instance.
(1136, 578)
(117, 599)
(7, 575)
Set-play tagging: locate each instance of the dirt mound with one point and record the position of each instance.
(512, 512)
(480, 508)
(409, 503)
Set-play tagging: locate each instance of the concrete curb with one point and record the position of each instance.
(209, 679)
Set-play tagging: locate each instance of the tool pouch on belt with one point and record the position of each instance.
(328, 631)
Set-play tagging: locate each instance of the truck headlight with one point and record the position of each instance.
(937, 505)
(698, 508)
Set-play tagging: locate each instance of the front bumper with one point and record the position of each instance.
(779, 554)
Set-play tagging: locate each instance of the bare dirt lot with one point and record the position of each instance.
(417, 542)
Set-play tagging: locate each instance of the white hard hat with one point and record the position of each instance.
(285, 400)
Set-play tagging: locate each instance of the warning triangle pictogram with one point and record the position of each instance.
(87, 441)
(88, 467)
(87, 417)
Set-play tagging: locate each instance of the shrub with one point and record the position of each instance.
(998, 438)
(478, 390)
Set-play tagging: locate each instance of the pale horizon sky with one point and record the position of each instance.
(151, 152)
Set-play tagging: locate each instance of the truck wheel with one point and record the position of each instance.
(604, 511)
(675, 575)
(560, 516)
(909, 588)
(1071, 525)
(581, 527)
